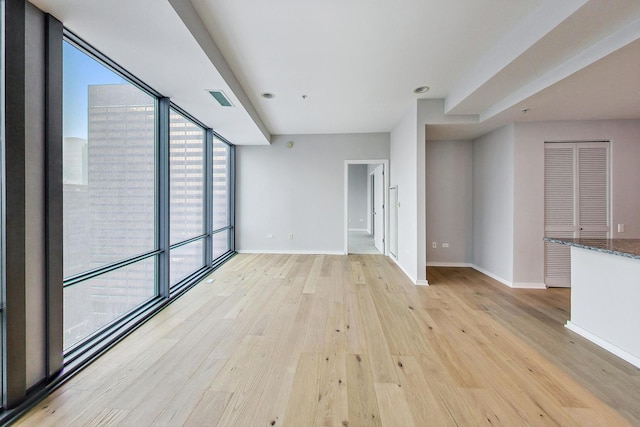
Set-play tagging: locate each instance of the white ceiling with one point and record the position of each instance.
(359, 60)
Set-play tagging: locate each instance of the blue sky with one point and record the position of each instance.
(80, 71)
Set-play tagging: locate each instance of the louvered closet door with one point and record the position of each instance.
(576, 201)
(593, 190)
(559, 210)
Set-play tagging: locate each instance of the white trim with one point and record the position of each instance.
(359, 229)
(493, 276)
(523, 285)
(517, 285)
(449, 264)
(385, 168)
(409, 276)
(288, 252)
(623, 354)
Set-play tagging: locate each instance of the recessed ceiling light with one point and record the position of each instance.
(421, 89)
(268, 95)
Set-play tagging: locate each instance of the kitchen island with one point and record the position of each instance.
(605, 293)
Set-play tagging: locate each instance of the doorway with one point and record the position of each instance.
(366, 216)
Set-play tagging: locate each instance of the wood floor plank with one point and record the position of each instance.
(304, 399)
(182, 401)
(332, 390)
(276, 339)
(424, 405)
(393, 405)
(209, 409)
(361, 396)
(106, 417)
(377, 347)
(314, 275)
(65, 407)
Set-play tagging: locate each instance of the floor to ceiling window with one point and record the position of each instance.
(221, 197)
(186, 196)
(147, 197)
(117, 201)
(109, 176)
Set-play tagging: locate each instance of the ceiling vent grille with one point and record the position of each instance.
(222, 99)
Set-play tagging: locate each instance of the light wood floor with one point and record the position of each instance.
(305, 340)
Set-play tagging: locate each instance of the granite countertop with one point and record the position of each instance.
(629, 248)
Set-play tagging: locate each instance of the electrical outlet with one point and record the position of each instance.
(269, 236)
(434, 245)
(445, 245)
(290, 236)
(620, 228)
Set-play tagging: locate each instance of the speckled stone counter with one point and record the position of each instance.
(605, 293)
(629, 248)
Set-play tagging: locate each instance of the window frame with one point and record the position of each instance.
(92, 345)
(203, 236)
(88, 343)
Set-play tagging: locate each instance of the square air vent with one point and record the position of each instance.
(222, 99)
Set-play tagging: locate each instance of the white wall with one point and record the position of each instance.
(298, 190)
(529, 183)
(493, 203)
(403, 166)
(358, 197)
(449, 202)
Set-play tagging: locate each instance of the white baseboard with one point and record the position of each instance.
(622, 354)
(288, 252)
(517, 285)
(448, 264)
(410, 276)
(493, 276)
(523, 285)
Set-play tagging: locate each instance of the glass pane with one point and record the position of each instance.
(186, 260)
(220, 184)
(220, 243)
(94, 303)
(186, 164)
(108, 165)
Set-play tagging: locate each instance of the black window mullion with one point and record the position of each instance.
(232, 196)
(208, 173)
(162, 191)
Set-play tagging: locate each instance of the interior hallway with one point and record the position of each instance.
(361, 242)
(307, 340)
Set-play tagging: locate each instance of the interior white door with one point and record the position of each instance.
(576, 201)
(378, 197)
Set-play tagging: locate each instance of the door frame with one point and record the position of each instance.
(385, 192)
